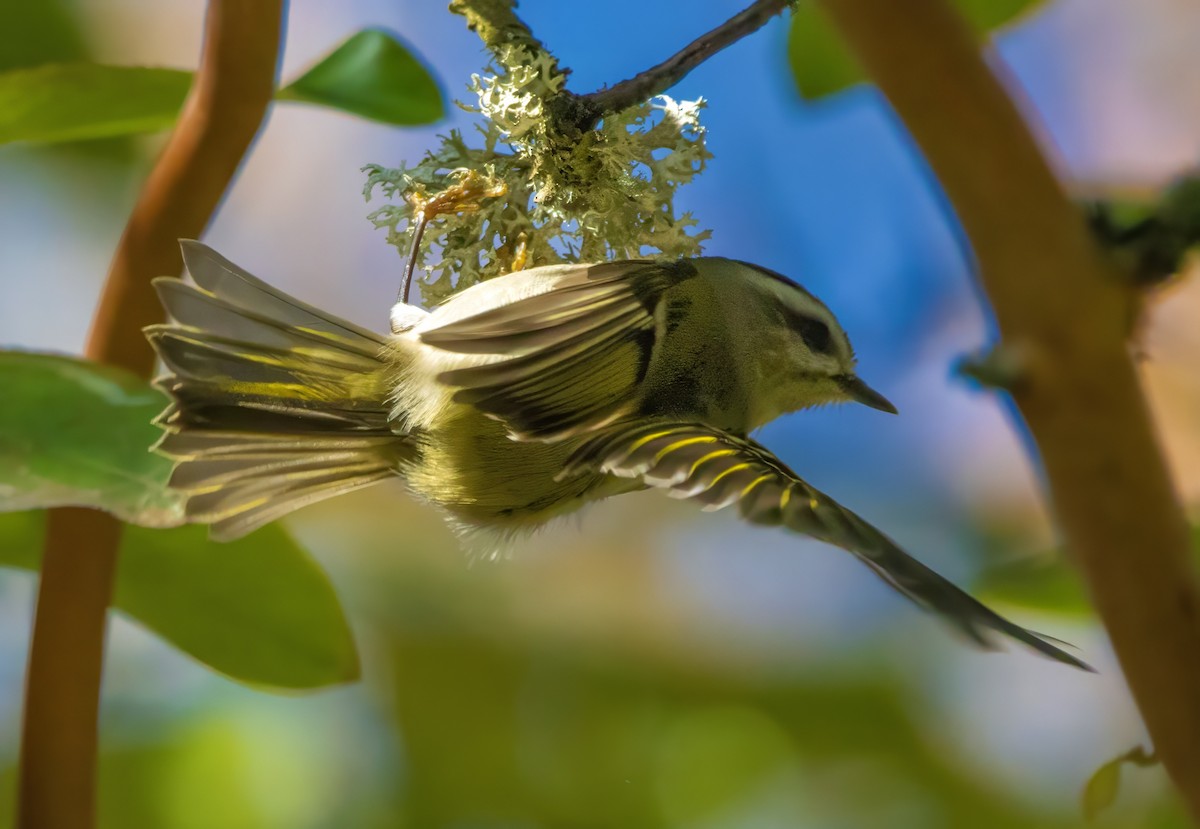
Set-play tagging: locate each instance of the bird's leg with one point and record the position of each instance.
(420, 219)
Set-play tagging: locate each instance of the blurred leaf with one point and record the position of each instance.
(215, 751)
(822, 63)
(21, 538)
(76, 433)
(1048, 583)
(258, 609)
(37, 33)
(1101, 789)
(51, 31)
(714, 758)
(987, 15)
(78, 101)
(565, 733)
(1149, 239)
(372, 75)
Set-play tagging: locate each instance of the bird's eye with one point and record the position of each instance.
(814, 332)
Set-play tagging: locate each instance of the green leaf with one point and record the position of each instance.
(258, 609)
(822, 64)
(75, 433)
(1046, 582)
(987, 15)
(1101, 789)
(35, 33)
(78, 101)
(371, 75)
(374, 76)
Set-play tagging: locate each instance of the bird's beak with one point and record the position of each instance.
(860, 392)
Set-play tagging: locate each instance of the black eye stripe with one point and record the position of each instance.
(814, 332)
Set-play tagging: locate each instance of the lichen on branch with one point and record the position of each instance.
(570, 195)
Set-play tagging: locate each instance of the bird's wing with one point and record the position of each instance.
(574, 356)
(717, 469)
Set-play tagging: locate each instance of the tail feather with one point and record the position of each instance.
(320, 386)
(257, 491)
(195, 445)
(275, 404)
(228, 469)
(194, 308)
(241, 510)
(220, 277)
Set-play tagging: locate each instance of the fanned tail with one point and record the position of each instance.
(275, 403)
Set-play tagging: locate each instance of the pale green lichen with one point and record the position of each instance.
(600, 194)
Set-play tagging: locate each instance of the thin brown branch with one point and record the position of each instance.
(233, 87)
(58, 745)
(660, 78)
(499, 27)
(1060, 307)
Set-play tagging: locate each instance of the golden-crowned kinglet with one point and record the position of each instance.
(521, 399)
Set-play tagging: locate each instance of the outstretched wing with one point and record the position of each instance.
(574, 356)
(717, 469)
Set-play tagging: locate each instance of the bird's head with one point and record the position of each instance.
(811, 359)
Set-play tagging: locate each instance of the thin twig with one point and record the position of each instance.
(233, 87)
(1062, 307)
(224, 110)
(499, 27)
(660, 78)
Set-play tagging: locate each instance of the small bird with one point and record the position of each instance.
(521, 399)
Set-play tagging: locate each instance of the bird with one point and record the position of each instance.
(521, 399)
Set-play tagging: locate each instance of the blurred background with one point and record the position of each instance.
(647, 665)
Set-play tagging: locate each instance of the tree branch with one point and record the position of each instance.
(233, 87)
(497, 24)
(498, 27)
(1065, 310)
(660, 78)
